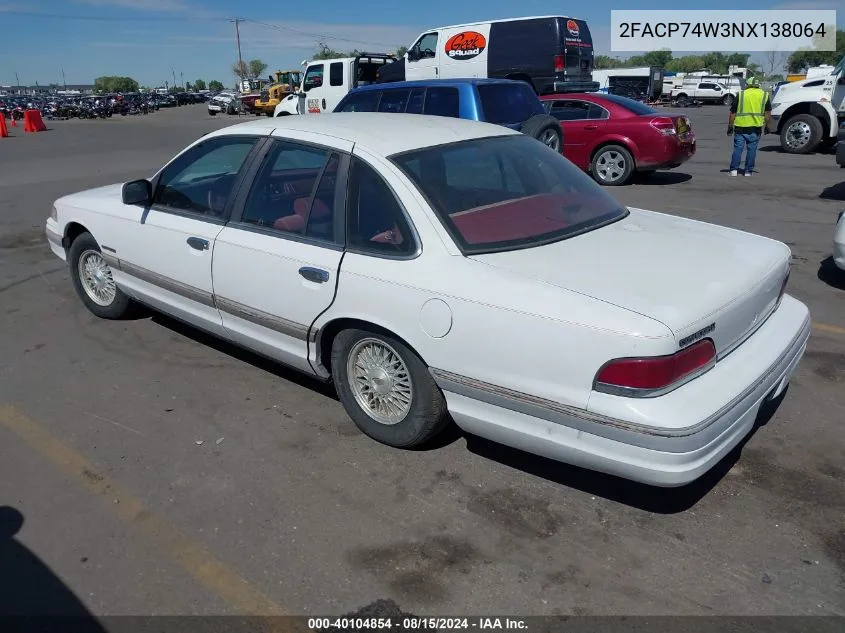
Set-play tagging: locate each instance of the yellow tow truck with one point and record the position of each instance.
(284, 83)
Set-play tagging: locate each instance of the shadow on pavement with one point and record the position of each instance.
(662, 178)
(834, 192)
(32, 597)
(640, 496)
(830, 274)
(243, 355)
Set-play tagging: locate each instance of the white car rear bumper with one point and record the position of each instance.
(660, 456)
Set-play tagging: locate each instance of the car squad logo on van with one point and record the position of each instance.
(572, 27)
(466, 45)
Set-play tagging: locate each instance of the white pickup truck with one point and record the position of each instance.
(703, 92)
(326, 81)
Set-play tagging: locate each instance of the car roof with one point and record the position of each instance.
(380, 132)
(519, 19)
(421, 83)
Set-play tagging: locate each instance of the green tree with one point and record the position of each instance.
(686, 64)
(115, 84)
(215, 86)
(199, 84)
(652, 58)
(256, 68)
(324, 51)
(400, 52)
(603, 62)
(240, 69)
(802, 59)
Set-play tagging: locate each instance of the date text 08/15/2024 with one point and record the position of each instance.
(417, 623)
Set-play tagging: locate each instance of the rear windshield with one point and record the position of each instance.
(509, 103)
(637, 107)
(507, 192)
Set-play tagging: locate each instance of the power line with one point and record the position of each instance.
(327, 36)
(104, 18)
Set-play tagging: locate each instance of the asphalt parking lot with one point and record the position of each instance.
(152, 470)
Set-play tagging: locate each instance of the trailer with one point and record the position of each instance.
(645, 82)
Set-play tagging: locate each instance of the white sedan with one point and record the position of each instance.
(439, 269)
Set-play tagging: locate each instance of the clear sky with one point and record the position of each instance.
(151, 40)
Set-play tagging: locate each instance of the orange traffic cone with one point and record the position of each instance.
(4, 131)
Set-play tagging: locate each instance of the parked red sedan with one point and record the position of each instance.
(611, 137)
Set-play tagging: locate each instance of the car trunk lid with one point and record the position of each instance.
(700, 280)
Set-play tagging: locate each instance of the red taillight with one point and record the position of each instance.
(664, 125)
(645, 376)
(560, 64)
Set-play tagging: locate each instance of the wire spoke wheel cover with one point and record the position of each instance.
(380, 381)
(610, 166)
(96, 278)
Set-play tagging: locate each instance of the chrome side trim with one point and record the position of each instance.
(668, 440)
(111, 260)
(166, 283)
(264, 319)
(52, 236)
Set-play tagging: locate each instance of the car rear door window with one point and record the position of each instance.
(442, 102)
(508, 102)
(363, 101)
(570, 110)
(394, 100)
(294, 191)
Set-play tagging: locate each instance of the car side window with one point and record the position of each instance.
(200, 180)
(294, 191)
(415, 101)
(442, 102)
(598, 112)
(570, 110)
(364, 101)
(393, 100)
(375, 221)
(426, 47)
(336, 74)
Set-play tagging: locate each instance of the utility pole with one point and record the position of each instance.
(18, 80)
(64, 80)
(237, 22)
(174, 77)
(182, 78)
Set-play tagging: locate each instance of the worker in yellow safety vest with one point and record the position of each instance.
(751, 115)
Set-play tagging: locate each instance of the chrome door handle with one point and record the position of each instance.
(198, 243)
(591, 127)
(317, 275)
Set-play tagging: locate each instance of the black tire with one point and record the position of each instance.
(120, 305)
(682, 101)
(426, 415)
(546, 129)
(616, 161)
(728, 100)
(801, 134)
(212, 113)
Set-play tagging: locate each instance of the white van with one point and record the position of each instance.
(326, 81)
(553, 54)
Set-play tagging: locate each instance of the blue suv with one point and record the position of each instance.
(513, 104)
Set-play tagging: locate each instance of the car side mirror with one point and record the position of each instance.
(841, 81)
(413, 55)
(137, 192)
